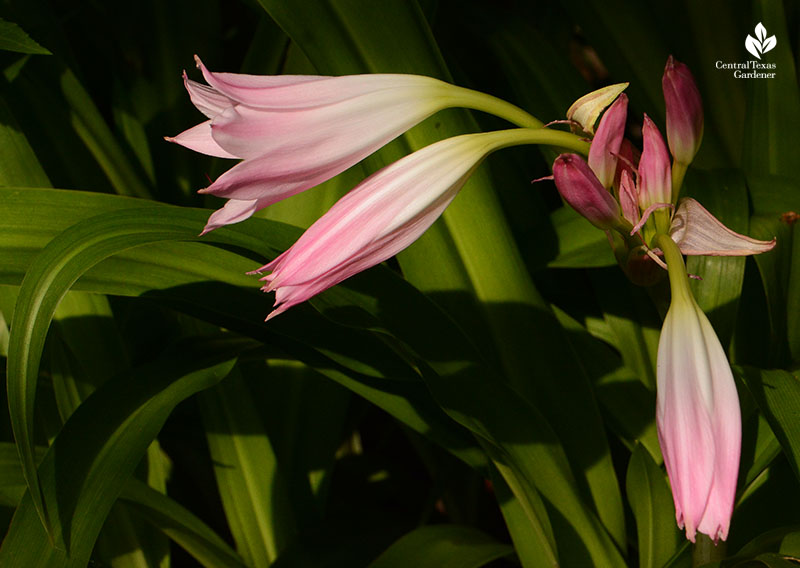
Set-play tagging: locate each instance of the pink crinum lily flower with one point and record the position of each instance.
(293, 132)
(698, 416)
(697, 411)
(381, 216)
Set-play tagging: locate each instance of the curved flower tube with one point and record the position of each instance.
(387, 212)
(294, 132)
(377, 219)
(697, 411)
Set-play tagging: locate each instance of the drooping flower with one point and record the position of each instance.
(697, 411)
(377, 219)
(684, 111)
(294, 132)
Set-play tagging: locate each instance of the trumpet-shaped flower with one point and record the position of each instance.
(294, 132)
(697, 411)
(377, 219)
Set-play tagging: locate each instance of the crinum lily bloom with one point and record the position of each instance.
(293, 132)
(381, 216)
(697, 411)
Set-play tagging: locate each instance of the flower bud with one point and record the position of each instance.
(579, 187)
(684, 111)
(607, 140)
(655, 173)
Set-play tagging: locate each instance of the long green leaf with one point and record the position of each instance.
(47, 281)
(254, 493)
(85, 469)
(651, 501)
(181, 526)
(442, 546)
(777, 394)
(20, 164)
(14, 38)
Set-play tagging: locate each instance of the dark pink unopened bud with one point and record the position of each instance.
(605, 145)
(684, 111)
(579, 187)
(655, 172)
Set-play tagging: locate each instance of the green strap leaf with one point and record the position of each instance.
(179, 524)
(442, 546)
(253, 491)
(14, 38)
(653, 509)
(96, 452)
(777, 394)
(48, 279)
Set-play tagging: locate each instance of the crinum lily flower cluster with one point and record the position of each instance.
(633, 198)
(292, 133)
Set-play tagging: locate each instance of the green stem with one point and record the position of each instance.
(678, 173)
(520, 136)
(475, 100)
(678, 279)
(705, 551)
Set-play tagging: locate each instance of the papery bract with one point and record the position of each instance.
(295, 132)
(698, 232)
(697, 413)
(376, 220)
(579, 187)
(586, 109)
(607, 140)
(655, 180)
(684, 111)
